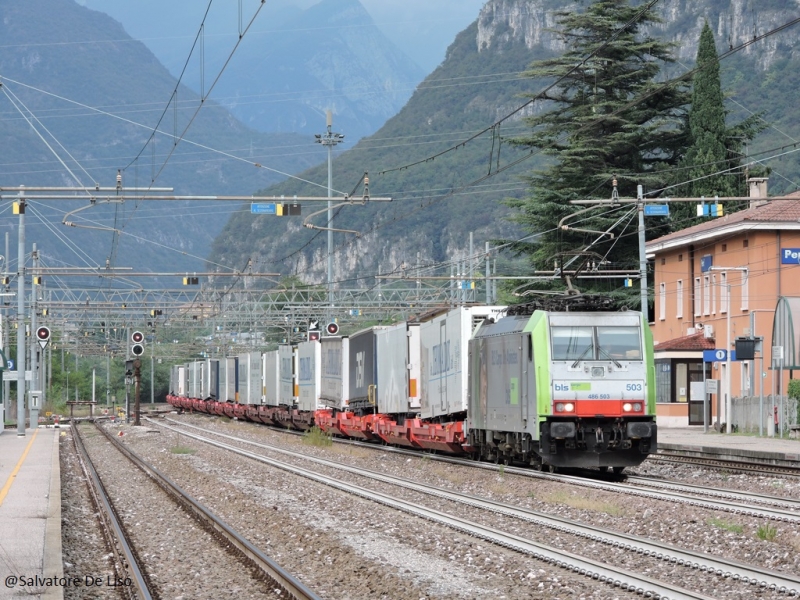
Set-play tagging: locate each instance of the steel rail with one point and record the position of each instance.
(717, 492)
(263, 562)
(738, 571)
(746, 467)
(596, 570)
(113, 524)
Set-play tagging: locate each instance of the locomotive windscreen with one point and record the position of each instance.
(596, 343)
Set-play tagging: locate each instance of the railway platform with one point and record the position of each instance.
(30, 515)
(733, 447)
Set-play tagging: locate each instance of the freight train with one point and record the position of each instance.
(550, 388)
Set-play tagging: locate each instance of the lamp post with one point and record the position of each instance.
(729, 308)
(330, 139)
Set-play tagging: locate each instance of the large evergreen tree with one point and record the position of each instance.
(608, 117)
(715, 149)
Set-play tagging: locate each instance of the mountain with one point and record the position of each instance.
(480, 81)
(95, 96)
(293, 64)
(330, 56)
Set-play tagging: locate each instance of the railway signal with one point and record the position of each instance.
(332, 328)
(43, 336)
(137, 343)
(313, 330)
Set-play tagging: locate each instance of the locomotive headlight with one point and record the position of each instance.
(637, 407)
(559, 407)
(627, 407)
(598, 372)
(569, 407)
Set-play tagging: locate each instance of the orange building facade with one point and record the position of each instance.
(714, 282)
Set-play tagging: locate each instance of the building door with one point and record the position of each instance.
(696, 394)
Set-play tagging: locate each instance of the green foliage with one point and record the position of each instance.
(182, 450)
(716, 148)
(794, 388)
(316, 437)
(592, 132)
(727, 526)
(767, 532)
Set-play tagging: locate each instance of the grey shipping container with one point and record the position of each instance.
(391, 344)
(308, 375)
(269, 368)
(361, 366)
(287, 371)
(335, 380)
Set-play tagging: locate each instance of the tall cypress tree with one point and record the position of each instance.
(590, 136)
(715, 148)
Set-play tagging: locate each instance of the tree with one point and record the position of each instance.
(715, 149)
(607, 117)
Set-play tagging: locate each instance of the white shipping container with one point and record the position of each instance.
(270, 373)
(227, 383)
(309, 357)
(444, 355)
(250, 378)
(195, 379)
(287, 369)
(392, 380)
(335, 377)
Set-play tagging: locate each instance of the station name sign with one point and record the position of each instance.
(790, 256)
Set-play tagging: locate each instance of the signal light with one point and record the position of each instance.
(332, 329)
(191, 281)
(37, 280)
(313, 336)
(43, 336)
(137, 349)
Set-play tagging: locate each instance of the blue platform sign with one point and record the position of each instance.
(790, 256)
(717, 355)
(656, 210)
(706, 262)
(10, 364)
(262, 208)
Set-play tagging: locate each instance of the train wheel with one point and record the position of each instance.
(618, 470)
(552, 468)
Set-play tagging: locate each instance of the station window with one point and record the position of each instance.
(723, 292)
(745, 291)
(679, 299)
(706, 295)
(662, 301)
(697, 297)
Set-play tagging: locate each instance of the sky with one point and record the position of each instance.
(423, 29)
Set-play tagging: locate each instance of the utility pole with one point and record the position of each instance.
(330, 139)
(137, 378)
(20, 209)
(642, 254)
(33, 408)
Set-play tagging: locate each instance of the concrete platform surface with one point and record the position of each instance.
(693, 438)
(30, 515)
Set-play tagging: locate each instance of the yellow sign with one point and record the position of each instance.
(48, 414)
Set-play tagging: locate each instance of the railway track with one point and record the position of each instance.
(126, 560)
(746, 503)
(755, 468)
(225, 535)
(732, 570)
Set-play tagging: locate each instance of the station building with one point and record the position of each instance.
(732, 276)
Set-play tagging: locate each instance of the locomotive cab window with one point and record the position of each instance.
(572, 343)
(620, 342)
(596, 343)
